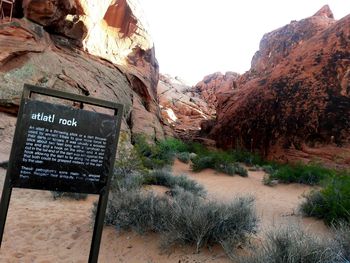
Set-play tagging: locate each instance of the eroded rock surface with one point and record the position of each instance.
(78, 46)
(215, 85)
(295, 99)
(183, 108)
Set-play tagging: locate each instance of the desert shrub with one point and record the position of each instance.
(240, 170)
(332, 203)
(227, 168)
(184, 157)
(291, 244)
(269, 169)
(342, 239)
(172, 145)
(219, 161)
(133, 180)
(141, 145)
(213, 160)
(70, 195)
(165, 178)
(148, 153)
(159, 154)
(232, 169)
(313, 204)
(200, 163)
(268, 181)
(197, 148)
(201, 223)
(128, 158)
(302, 173)
(132, 209)
(129, 169)
(184, 219)
(246, 157)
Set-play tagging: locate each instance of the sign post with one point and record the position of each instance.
(60, 148)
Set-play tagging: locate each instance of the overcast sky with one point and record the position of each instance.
(194, 38)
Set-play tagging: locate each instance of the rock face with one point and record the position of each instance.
(215, 85)
(295, 100)
(111, 29)
(122, 68)
(183, 109)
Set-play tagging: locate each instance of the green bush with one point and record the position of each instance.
(184, 157)
(240, 170)
(159, 154)
(247, 157)
(227, 168)
(184, 219)
(231, 169)
(173, 145)
(214, 160)
(302, 173)
(200, 163)
(153, 156)
(197, 148)
(269, 168)
(143, 148)
(332, 203)
(165, 178)
(219, 161)
(292, 245)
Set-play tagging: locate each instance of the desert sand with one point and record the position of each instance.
(42, 230)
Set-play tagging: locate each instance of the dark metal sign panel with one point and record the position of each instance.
(63, 149)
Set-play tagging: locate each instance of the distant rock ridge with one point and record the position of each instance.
(183, 109)
(294, 102)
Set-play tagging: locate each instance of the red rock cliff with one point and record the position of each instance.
(295, 99)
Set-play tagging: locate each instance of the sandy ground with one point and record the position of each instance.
(42, 230)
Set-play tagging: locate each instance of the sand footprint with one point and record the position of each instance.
(70, 245)
(77, 233)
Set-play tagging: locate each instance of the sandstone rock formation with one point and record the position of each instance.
(182, 107)
(111, 29)
(294, 102)
(81, 47)
(215, 85)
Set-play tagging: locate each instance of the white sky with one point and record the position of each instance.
(194, 38)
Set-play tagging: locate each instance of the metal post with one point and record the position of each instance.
(4, 204)
(7, 188)
(103, 199)
(98, 227)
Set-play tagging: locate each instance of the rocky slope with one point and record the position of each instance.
(294, 102)
(95, 48)
(182, 107)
